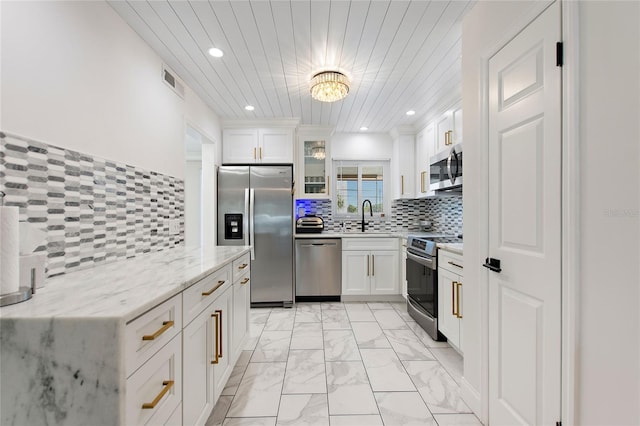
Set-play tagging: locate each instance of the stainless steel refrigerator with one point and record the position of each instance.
(255, 207)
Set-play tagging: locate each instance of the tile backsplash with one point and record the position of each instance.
(93, 210)
(445, 214)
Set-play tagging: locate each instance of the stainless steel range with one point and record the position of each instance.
(422, 280)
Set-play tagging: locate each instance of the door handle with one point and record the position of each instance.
(492, 264)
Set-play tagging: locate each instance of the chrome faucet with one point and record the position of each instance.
(370, 211)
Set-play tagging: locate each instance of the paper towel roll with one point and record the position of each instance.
(9, 250)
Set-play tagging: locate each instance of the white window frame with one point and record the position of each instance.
(386, 188)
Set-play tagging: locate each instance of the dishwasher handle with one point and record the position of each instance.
(319, 245)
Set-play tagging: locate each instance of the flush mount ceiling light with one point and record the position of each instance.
(318, 152)
(215, 52)
(410, 112)
(249, 107)
(329, 86)
(364, 129)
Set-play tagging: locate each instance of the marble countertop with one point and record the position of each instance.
(390, 234)
(123, 289)
(452, 247)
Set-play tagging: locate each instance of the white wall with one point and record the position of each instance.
(608, 364)
(361, 146)
(74, 74)
(608, 356)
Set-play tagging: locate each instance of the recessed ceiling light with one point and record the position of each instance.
(363, 128)
(411, 112)
(249, 108)
(215, 52)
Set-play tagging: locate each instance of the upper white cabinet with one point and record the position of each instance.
(449, 128)
(314, 163)
(425, 141)
(404, 165)
(257, 145)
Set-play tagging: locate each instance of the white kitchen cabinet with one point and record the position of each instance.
(314, 168)
(241, 302)
(370, 266)
(450, 306)
(154, 391)
(449, 129)
(404, 149)
(257, 145)
(425, 141)
(457, 125)
(223, 363)
(198, 340)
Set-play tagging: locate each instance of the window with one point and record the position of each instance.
(356, 181)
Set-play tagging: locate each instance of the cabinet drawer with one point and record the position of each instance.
(450, 261)
(369, 243)
(157, 386)
(146, 334)
(201, 294)
(240, 266)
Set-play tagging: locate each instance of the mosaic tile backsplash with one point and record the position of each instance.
(445, 214)
(93, 210)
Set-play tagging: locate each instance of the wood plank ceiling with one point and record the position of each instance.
(399, 55)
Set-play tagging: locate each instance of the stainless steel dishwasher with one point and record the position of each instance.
(318, 269)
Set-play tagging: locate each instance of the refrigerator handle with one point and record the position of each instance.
(245, 222)
(252, 237)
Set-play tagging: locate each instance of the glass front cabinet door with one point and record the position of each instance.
(315, 174)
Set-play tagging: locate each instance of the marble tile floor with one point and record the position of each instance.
(342, 364)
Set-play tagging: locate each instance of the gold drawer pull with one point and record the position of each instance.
(168, 384)
(455, 264)
(244, 265)
(165, 326)
(210, 292)
(458, 285)
(453, 299)
(246, 280)
(217, 327)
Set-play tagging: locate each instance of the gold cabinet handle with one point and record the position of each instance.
(455, 264)
(254, 153)
(210, 292)
(453, 299)
(446, 138)
(367, 265)
(328, 186)
(422, 174)
(373, 265)
(165, 326)
(458, 286)
(401, 184)
(244, 265)
(217, 327)
(246, 280)
(168, 384)
(219, 312)
(261, 153)
(450, 137)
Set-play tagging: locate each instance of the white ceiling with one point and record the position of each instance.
(399, 55)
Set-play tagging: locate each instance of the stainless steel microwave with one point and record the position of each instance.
(445, 171)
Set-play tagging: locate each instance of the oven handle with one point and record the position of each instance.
(429, 263)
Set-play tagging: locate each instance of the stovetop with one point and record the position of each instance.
(426, 246)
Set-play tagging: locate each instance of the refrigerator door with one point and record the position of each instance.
(233, 205)
(272, 234)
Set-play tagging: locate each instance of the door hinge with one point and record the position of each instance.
(559, 54)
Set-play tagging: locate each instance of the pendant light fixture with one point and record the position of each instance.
(329, 86)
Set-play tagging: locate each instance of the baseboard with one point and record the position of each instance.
(471, 397)
(373, 298)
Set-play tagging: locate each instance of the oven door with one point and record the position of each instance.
(422, 283)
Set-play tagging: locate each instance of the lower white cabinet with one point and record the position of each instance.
(373, 271)
(154, 391)
(450, 305)
(212, 343)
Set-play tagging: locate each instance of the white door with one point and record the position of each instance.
(524, 226)
(356, 269)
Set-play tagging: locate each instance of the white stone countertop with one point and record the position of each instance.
(452, 247)
(123, 289)
(352, 234)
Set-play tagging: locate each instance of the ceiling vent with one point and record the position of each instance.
(172, 81)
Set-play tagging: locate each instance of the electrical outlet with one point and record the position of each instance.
(174, 227)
